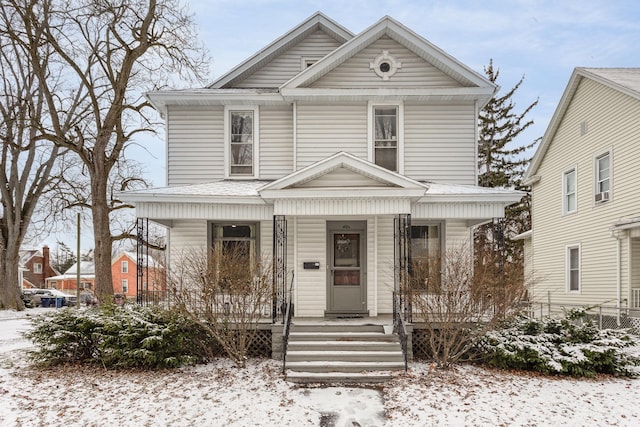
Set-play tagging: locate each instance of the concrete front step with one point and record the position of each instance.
(339, 377)
(344, 355)
(342, 336)
(343, 366)
(335, 327)
(340, 345)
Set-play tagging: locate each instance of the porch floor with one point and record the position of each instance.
(384, 319)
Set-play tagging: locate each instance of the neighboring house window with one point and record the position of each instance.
(37, 268)
(385, 136)
(236, 237)
(125, 286)
(569, 191)
(603, 177)
(426, 251)
(242, 135)
(573, 268)
(125, 266)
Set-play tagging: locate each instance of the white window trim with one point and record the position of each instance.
(227, 140)
(370, 133)
(125, 283)
(565, 210)
(567, 271)
(608, 151)
(124, 266)
(37, 270)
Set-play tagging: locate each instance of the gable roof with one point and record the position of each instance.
(317, 21)
(341, 159)
(624, 80)
(403, 35)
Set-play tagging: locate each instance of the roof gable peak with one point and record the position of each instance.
(316, 21)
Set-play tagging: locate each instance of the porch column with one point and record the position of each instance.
(402, 264)
(281, 295)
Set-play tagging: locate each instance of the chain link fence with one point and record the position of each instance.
(604, 316)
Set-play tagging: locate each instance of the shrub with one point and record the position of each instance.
(572, 345)
(118, 337)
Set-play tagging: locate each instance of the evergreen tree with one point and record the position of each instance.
(502, 163)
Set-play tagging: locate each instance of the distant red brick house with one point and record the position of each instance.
(35, 266)
(124, 275)
(124, 271)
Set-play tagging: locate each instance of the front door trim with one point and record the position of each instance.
(356, 299)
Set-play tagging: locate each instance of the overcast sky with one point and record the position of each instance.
(544, 40)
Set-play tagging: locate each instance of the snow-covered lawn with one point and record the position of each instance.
(217, 394)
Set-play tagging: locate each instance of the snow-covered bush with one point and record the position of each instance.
(117, 337)
(572, 345)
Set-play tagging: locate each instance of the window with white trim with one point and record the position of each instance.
(569, 193)
(124, 266)
(125, 286)
(603, 177)
(573, 268)
(232, 237)
(426, 252)
(37, 268)
(385, 136)
(241, 142)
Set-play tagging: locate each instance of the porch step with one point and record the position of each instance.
(342, 353)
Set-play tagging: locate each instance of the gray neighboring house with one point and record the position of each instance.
(584, 245)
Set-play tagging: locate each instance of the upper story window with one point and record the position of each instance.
(242, 140)
(569, 193)
(603, 177)
(37, 268)
(386, 136)
(124, 266)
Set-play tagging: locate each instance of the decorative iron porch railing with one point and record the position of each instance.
(279, 267)
(402, 264)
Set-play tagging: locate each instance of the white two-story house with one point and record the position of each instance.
(584, 246)
(339, 155)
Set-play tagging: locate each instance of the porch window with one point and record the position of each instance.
(385, 137)
(241, 148)
(569, 191)
(603, 177)
(426, 250)
(573, 268)
(236, 239)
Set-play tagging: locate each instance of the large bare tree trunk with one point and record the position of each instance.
(10, 288)
(102, 238)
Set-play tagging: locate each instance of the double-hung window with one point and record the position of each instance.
(603, 177)
(242, 141)
(569, 195)
(37, 268)
(124, 266)
(426, 251)
(125, 286)
(573, 268)
(386, 136)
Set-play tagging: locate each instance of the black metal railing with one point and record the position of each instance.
(279, 266)
(402, 263)
(399, 328)
(288, 314)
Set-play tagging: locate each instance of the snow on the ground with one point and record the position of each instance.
(217, 394)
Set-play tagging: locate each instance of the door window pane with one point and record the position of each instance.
(346, 250)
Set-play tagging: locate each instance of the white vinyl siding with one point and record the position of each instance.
(276, 141)
(439, 143)
(311, 295)
(324, 130)
(287, 65)
(613, 122)
(186, 238)
(384, 268)
(355, 72)
(195, 145)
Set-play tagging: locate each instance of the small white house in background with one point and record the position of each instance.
(585, 180)
(333, 153)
